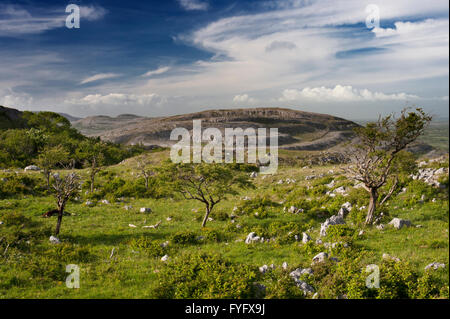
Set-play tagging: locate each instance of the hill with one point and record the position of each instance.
(10, 118)
(297, 130)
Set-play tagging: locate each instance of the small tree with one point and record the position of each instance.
(207, 183)
(146, 171)
(64, 188)
(92, 152)
(374, 157)
(49, 158)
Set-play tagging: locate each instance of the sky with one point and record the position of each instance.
(354, 59)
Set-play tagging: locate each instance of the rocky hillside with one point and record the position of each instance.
(297, 130)
(10, 118)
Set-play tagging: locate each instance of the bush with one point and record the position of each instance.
(219, 215)
(336, 233)
(184, 238)
(145, 244)
(206, 276)
(261, 205)
(284, 288)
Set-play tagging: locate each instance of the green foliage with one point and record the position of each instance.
(42, 132)
(284, 288)
(336, 233)
(220, 215)
(397, 280)
(184, 238)
(259, 204)
(204, 276)
(151, 247)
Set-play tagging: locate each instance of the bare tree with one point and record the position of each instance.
(146, 172)
(206, 183)
(64, 188)
(373, 158)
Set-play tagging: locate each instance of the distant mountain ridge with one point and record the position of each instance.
(297, 129)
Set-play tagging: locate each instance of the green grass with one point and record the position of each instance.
(133, 273)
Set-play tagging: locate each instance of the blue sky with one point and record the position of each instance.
(169, 57)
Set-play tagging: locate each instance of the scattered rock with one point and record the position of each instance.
(32, 168)
(343, 212)
(263, 269)
(253, 174)
(153, 226)
(169, 219)
(132, 225)
(284, 265)
(165, 258)
(105, 201)
(145, 210)
(389, 257)
(333, 220)
(434, 266)
(54, 240)
(165, 244)
(128, 207)
(380, 227)
(305, 238)
(361, 232)
(89, 203)
(320, 257)
(251, 238)
(399, 223)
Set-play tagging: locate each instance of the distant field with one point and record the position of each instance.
(437, 135)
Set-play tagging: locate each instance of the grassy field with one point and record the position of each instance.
(119, 261)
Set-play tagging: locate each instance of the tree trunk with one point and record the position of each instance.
(372, 205)
(205, 219)
(58, 223)
(47, 175)
(92, 183)
(391, 191)
(146, 183)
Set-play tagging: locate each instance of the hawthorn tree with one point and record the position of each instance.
(64, 188)
(146, 171)
(377, 156)
(94, 156)
(206, 183)
(49, 158)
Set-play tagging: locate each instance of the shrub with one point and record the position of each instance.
(202, 276)
(147, 245)
(219, 215)
(284, 288)
(184, 238)
(336, 233)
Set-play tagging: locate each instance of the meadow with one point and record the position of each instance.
(118, 258)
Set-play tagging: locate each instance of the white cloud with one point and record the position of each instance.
(119, 99)
(244, 99)
(160, 70)
(16, 20)
(342, 94)
(311, 44)
(190, 5)
(100, 76)
(92, 12)
(16, 100)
